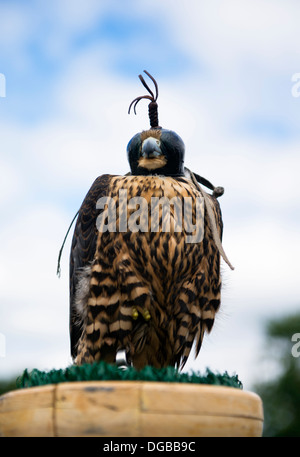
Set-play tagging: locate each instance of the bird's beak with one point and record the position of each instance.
(151, 148)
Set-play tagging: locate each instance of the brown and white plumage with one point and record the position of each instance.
(150, 293)
(119, 273)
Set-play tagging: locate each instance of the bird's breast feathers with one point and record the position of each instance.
(147, 269)
(154, 223)
(136, 202)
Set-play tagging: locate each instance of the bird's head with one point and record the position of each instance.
(155, 151)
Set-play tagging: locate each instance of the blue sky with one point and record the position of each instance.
(224, 71)
(132, 41)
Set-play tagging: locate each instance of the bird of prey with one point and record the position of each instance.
(142, 287)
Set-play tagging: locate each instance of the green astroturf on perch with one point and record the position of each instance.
(102, 371)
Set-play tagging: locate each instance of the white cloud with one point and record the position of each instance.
(10, 182)
(225, 33)
(34, 303)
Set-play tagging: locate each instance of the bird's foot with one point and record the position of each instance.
(135, 314)
(145, 313)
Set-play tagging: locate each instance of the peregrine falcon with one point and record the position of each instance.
(142, 279)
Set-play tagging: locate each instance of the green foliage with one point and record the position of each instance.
(284, 328)
(281, 396)
(7, 385)
(103, 371)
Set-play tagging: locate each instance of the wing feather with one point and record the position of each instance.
(83, 246)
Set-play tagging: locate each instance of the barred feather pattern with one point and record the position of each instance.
(151, 293)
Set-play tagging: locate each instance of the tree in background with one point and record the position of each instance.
(281, 396)
(7, 385)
